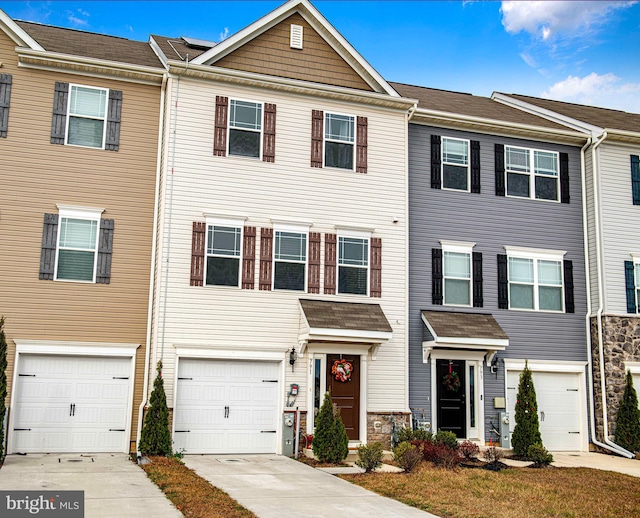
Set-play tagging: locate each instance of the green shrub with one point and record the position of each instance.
(407, 456)
(155, 438)
(3, 382)
(527, 430)
(330, 441)
(369, 456)
(539, 455)
(408, 435)
(628, 420)
(469, 450)
(447, 438)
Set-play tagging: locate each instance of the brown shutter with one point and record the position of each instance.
(269, 133)
(198, 240)
(249, 258)
(330, 264)
(220, 136)
(266, 258)
(361, 146)
(59, 119)
(317, 122)
(314, 262)
(105, 249)
(114, 113)
(5, 97)
(49, 243)
(375, 290)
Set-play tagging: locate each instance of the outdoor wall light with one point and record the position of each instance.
(292, 357)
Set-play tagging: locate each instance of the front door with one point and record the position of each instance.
(452, 411)
(343, 383)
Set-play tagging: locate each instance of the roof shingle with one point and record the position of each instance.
(323, 314)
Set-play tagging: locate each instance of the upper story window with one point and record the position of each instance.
(339, 143)
(457, 275)
(245, 128)
(77, 246)
(290, 260)
(224, 242)
(353, 265)
(532, 173)
(86, 123)
(455, 164)
(535, 280)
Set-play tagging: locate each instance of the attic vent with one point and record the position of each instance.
(296, 36)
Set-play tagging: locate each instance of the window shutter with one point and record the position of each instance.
(503, 282)
(248, 258)
(478, 296)
(569, 301)
(49, 243)
(269, 133)
(565, 196)
(220, 135)
(436, 276)
(5, 97)
(114, 113)
(635, 179)
(317, 123)
(198, 239)
(630, 285)
(500, 177)
(475, 166)
(59, 119)
(330, 255)
(436, 162)
(105, 248)
(361, 145)
(314, 262)
(375, 268)
(266, 258)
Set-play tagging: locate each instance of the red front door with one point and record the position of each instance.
(345, 390)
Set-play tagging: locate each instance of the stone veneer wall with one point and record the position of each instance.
(621, 343)
(382, 433)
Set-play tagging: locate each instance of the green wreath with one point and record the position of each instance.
(451, 381)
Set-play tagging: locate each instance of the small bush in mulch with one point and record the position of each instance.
(493, 455)
(407, 456)
(469, 450)
(370, 456)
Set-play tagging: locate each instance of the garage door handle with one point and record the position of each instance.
(226, 412)
(269, 381)
(116, 429)
(541, 416)
(190, 379)
(72, 409)
(267, 431)
(120, 377)
(574, 432)
(183, 431)
(572, 390)
(22, 429)
(27, 375)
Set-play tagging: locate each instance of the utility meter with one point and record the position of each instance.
(293, 390)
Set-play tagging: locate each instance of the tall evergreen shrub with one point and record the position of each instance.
(628, 421)
(155, 438)
(330, 440)
(3, 382)
(527, 430)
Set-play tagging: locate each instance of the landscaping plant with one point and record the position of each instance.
(370, 456)
(539, 455)
(155, 438)
(628, 420)
(492, 455)
(468, 450)
(447, 438)
(407, 434)
(527, 430)
(3, 382)
(330, 441)
(407, 456)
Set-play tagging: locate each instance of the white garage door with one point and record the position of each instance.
(71, 404)
(226, 406)
(559, 407)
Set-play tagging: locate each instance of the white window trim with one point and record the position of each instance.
(219, 222)
(299, 229)
(636, 281)
(261, 132)
(354, 234)
(531, 173)
(69, 115)
(86, 213)
(325, 139)
(457, 247)
(468, 166)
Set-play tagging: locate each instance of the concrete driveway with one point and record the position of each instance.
(112, 484)
(597, 461)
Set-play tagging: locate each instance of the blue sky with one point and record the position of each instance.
(585, 52)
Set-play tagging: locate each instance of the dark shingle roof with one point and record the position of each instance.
(91, 45)
(471, 105)
(449, 324)
(177, 48)
(345, 315)
(602, 117)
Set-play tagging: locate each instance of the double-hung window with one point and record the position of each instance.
(535, 280)
(290, 260)
(245, 128)
(532, 173)
(457, 281)
(339, 140)
(353, 264)
(87, 120)
(455, 164)
(224, 246)
(77, 245)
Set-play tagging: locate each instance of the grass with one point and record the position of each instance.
(511, 493)
(191, 494)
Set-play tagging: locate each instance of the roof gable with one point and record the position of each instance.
(16, 33)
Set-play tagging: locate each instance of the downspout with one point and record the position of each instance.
(595, 164)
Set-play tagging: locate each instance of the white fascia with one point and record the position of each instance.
(535, 253)
(17, 33)
(65, 347)
(545, 365)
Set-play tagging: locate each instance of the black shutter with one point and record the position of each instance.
(59, 119)
(436, 276)
(564, 178)
(5, 97)
(436, 161)
(475, 166)
(478, 298)
(503, 282)
(114, 113)
(105, 248)
(49, 243)
(500, 176)
(630, 285)
(569, 302)
(635, 179)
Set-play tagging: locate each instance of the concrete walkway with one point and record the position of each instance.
(273, 486)
(597, 461)
(112, 484)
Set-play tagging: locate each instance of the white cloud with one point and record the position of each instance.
(547, 20)
(224, 35)
(606, 90)
(83, 13)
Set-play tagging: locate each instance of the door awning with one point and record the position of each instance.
(462, 331)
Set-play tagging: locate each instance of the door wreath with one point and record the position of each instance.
(342, 370)
(451, 381)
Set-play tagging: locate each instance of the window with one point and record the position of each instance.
(86, 124)
(245, 128)
(455, 164)
(353, 265)
(457, 277)
(532, 173)
(223, 255)
(339, 135)
(535, 281)
(77, 245)
(290, 258)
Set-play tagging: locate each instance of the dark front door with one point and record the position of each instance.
(343, 383)
(452, 410)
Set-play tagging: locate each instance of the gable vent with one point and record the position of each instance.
(296, 36)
